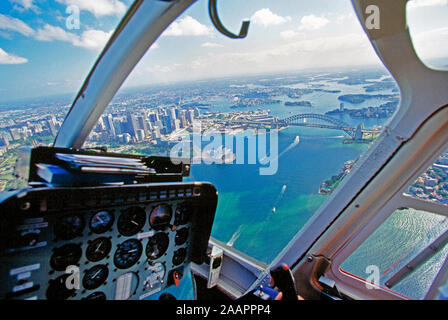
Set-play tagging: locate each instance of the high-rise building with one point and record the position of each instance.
(176, 124)
(52, 126)
(132, 124)
(183, 119)
(190, 116)
(172, 113)
(153, 117)
(156, 132)
(140, 135)
(118, 126)
(142, 123)
(167, 124)
(109, 124)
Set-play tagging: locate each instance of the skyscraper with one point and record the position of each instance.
(132, 124)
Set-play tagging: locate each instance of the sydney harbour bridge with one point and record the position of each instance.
(314, 120)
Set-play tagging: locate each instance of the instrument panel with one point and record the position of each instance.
(106, 243)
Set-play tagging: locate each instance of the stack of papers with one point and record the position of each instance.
(99, 164)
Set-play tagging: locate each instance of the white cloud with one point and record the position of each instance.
(426, 3)
(289, 34)
(93, 39)
(51, 33)
(89, 39)
(98, 7)
(187, 26)
(22, 5)
(7, 58)
(211, 45)
(12, 24)
(313, 22)
(266, 18)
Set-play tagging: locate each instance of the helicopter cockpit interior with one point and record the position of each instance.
(93, 224)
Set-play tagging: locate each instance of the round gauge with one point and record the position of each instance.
(98, 249)
(156, 274)
(67, 255)
(98, 295)
(160, 217)
(95, 277)
(128, 253)
(68, 227)
(157, 245)
(183, 214)
(126, 286)
(101, 222)
(181, 236)
(131, 221)
(57, 289)
(179, 256)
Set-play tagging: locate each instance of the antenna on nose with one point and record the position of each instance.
(213, 11)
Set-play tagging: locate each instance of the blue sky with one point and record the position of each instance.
(41, 56)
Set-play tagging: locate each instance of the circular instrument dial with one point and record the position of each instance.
(98, 249)
(183, 214)
(181, 236)
(101, 222)
(68, 227)
(179, 256)
(67, 255)
(95, 277)
(128, 254)
(160, 217)
(157, 245)
(131, 221)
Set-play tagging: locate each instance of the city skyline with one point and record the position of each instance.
(40, 57)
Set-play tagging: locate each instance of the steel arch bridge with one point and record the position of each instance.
(314, 120)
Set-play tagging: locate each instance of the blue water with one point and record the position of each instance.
(246, 198)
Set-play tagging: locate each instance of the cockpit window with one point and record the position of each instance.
(429, 33)
(275, 121)
(404, 255)
(433, 184)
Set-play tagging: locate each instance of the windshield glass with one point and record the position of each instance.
(275, 121)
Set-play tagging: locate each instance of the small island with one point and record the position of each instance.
(360, 98)
(298, 104)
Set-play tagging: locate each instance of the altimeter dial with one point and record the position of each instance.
(128, 253)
